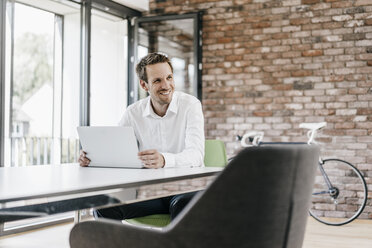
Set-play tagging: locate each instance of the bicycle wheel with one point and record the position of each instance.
(339, 193)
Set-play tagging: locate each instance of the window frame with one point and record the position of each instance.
(109, 7)
(133, 45)
(86, 6)
(85, 32)
(2, 79)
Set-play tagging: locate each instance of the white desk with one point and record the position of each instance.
(69, 183)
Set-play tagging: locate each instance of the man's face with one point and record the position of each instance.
(160, 84)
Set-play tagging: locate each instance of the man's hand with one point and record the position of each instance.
(83, 160)
(152, 159)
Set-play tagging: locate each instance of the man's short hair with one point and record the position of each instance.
(151, 59)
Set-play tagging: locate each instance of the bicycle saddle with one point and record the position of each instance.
(313, 126)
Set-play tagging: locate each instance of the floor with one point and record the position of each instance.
(356, 234)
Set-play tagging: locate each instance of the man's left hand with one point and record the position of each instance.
(152, 159)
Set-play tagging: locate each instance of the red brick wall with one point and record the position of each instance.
(272, 64)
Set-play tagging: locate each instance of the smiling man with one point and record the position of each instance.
(169, 127)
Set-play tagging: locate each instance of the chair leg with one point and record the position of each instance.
(1, 229)
(77, 218)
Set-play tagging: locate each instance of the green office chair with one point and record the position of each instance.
(214, 156)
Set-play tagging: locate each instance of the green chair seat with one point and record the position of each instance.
(156, 220)
(214, 156)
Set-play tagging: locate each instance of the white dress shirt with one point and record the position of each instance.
(178, 135)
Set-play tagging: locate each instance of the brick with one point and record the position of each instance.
(334, 78)
(321, 19)
(344, 71)
(344, 125)
(364, 111)
(261, 25)
(344, 58)
(358, 105)
(332, 38)
(344, 44)
(367, 56)
(362, 2)
(291, 54)
(364, 125)
(356, 64)
(356, 132)
(346, 98)
(271, 30)
(291, 28)
(321, 6)
(295, 106)
(312, 26)
(342, 18)
(325, 112)
(312, 53)
(281, 10)
(314, 66)
(341, 4)
(262, 113)
(314, 105)
(359, 9)
(367, 70)
(306, 112)
(359, 36)
(368, 22)
(363, 43)
(303, 99)
(310, 1)
(365, 29)
(290, 41)
(342, 31)
(299, 21)
(282, 87)
(291, 2)
(334, 51)
(346, 111)
(301, 73)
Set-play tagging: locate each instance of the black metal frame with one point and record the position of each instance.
(133, 43)
(85, 31)
(2, 78)
(114, 8)
(108, 7)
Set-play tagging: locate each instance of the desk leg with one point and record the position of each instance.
(77, 218)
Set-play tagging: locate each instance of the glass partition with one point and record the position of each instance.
(108, 73)
(177, 37)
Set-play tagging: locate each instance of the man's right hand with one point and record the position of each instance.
(83, 160)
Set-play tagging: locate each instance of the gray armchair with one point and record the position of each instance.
(260, 199)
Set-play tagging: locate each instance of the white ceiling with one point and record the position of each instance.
(141, 5)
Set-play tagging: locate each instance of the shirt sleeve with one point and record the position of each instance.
(124, 121)
(193, 154)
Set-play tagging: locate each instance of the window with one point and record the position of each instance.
(179, 38)
(51, 53)
(40, 68)
(108, 77)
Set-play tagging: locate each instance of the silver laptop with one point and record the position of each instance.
(110, 146)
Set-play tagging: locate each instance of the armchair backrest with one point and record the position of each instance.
(259, 200)
(215, 153)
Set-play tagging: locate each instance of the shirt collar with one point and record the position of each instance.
(173, 107)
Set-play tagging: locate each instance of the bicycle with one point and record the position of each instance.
(340, 190)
